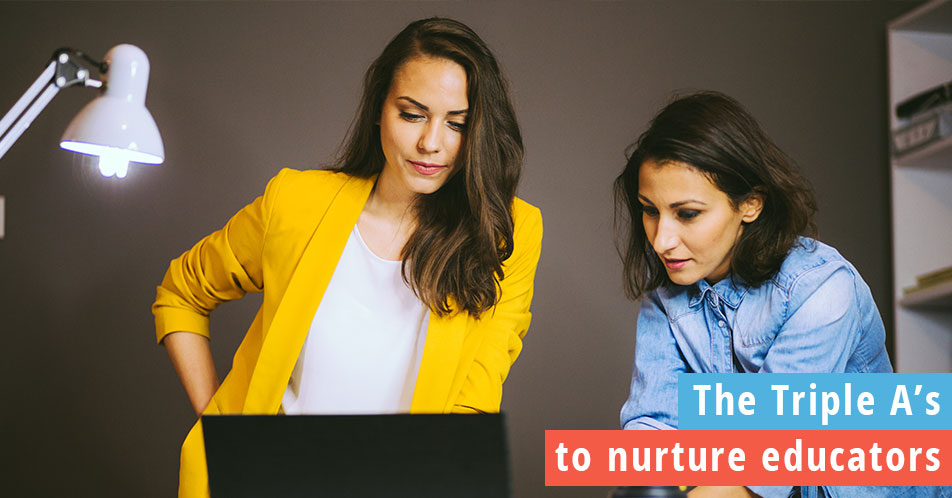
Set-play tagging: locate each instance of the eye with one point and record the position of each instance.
(649, 211)
(409, 116)
(456, 126)
(688, 214)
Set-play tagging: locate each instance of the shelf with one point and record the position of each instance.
(937, 296)
(920, 58)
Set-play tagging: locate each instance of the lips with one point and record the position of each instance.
(675, 264)
(427, 168)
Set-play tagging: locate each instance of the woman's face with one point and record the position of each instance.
(691, 224)
(422, 124)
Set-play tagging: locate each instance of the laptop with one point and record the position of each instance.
(392, 456)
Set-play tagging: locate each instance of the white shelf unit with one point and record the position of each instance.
(920, 58)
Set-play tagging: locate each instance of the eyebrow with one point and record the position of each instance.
(674, 205)
(425, 108)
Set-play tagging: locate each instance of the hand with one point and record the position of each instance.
(721, 492)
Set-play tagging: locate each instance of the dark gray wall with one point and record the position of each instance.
(91, 406)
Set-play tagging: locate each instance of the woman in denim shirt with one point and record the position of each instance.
(718, 247)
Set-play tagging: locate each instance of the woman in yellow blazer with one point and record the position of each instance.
(428, 176)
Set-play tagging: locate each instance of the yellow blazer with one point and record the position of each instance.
(286, 244)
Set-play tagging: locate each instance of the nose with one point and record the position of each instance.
(431, 137)
(666, 236)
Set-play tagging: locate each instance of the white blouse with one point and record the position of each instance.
(363, 350)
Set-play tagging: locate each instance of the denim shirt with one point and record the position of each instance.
(815, 315)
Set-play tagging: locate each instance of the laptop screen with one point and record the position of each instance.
(416, 456)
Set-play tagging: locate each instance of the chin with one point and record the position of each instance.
(682, 279)
(425, 186)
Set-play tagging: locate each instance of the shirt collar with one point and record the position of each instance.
(730, 290)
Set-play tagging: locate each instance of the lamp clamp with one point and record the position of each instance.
(70, 71)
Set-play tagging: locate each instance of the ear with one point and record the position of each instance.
(751, 207)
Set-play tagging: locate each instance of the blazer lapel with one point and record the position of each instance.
(293, 317)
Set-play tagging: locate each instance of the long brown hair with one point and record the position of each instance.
(716, 135)
(464, 230)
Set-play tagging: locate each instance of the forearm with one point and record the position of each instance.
(191, 357)
(653, 395)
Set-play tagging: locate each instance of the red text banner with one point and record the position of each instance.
(749, 458)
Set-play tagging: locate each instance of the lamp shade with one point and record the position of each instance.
(116, 125)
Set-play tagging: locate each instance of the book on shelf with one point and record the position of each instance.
(931, 279)
(924, 129)
(922, 102)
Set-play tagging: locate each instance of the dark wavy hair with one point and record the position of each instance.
(716, 135)
(464, 230)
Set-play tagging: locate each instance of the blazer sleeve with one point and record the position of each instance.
(505, 324)
(221, 267)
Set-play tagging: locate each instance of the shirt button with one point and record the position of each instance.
(720, 323)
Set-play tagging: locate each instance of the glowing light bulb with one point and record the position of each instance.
(113, 164)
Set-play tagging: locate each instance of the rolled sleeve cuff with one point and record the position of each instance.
(168, 320)
(645, 423)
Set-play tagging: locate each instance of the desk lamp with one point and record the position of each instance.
(115, 126)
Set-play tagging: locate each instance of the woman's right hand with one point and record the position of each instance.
(721, 492)
(191, 356)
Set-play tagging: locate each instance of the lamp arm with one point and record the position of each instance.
(63, 71)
